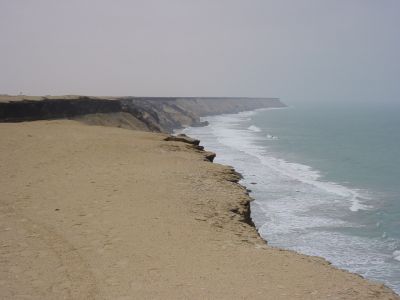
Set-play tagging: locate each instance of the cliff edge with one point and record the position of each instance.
(158, 114)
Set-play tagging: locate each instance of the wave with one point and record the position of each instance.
(242, 141)
(308, 175)
(295, 208)
(271, 137)
(254, 128)
(396, 255)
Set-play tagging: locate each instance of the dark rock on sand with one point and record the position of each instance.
(209, 156)
(183, 138)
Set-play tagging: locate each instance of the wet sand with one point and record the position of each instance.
(90, 212)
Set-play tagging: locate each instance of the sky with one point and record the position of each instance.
(317, 50)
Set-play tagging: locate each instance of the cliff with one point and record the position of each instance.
(29, 110)
(159, 114)
(90, 212)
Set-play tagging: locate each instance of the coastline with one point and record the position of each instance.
(94, 212)
(293, 212)
(231, 157)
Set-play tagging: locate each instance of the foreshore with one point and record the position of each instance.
(91, 212)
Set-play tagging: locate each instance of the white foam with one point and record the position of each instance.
(254, 128)
(227, 130)
(307, 175)
(396, 255)
(294, 207)
(242, 141)
(356, 205)
(271, 137)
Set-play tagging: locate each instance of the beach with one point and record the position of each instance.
(91, 212)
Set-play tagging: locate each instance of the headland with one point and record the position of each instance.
(95, 212)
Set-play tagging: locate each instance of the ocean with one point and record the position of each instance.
(325, 179)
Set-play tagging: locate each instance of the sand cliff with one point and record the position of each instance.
(158, 114)
(91, 212)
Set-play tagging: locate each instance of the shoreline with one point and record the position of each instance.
(251, 199)
(248, 220)
(227, 132)
(94, 212)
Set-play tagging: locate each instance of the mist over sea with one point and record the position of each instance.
(325, 178)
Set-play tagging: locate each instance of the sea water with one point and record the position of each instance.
(325, 179)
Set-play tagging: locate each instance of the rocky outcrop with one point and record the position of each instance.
(208, 155)
(152, 114)
(183, 138)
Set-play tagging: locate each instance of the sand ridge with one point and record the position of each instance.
(90, 212)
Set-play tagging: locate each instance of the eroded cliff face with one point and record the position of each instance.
(149, 113)
(216, 106)
(29, 110)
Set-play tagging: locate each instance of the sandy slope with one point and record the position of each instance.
(90, 212)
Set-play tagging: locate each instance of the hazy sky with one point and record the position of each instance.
(293, 49)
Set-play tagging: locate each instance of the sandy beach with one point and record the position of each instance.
(91, 212)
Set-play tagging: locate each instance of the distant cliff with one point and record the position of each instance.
(161, 114)
(29, 110)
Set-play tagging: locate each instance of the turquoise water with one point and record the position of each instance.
(325, 178)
